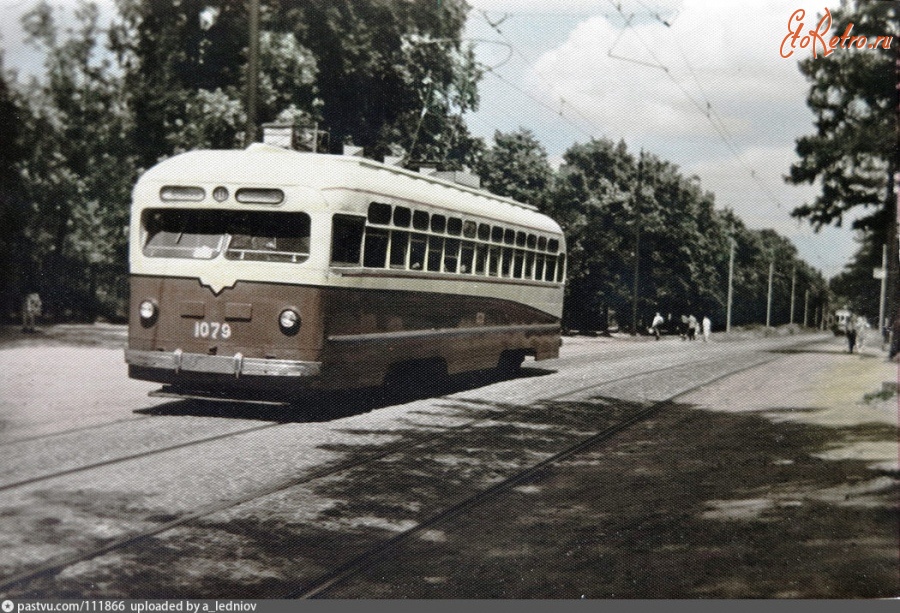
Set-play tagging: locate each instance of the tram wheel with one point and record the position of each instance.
(510, 363)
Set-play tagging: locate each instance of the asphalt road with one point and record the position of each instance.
(770, 470)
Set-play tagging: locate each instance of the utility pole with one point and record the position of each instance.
(730, 286)
(252, 72)
(883, 288)
(793, 289)
(769, 301)
(805, 308)
(637, 242)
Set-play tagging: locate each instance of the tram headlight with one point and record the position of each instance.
(289, 321)
(148, 312)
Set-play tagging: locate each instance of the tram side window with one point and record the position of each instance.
(466, 258)
(245, 235)
(376, 248)
(560, 270)
(267, 237)
(420, 220)
(518, 263)
(550, 269)
(399, 245)
(435, 251)
(346, 240)
(417, 244)
(506, 262)
(451, 255)
(379, 213)
(480, 255)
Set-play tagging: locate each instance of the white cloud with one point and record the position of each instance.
(662, 77)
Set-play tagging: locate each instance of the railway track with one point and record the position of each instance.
(368, 559)
(362, 561)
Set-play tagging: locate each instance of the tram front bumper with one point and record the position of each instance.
(237, 365)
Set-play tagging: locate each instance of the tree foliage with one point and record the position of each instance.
(854, 152)
(603, 195)
(394, 77)
(389, 76)
(76, 169)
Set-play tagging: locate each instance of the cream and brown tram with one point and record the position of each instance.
(265, 271)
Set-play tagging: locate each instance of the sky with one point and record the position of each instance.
(699, 83)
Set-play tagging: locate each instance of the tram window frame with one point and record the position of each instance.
(375, 247)
(550, 268)
(260, 236)
(379, 213)
(466, 258)
(470, 229)
(506, 262)
(493, 261)
(399, 249)
(402, 216)
(418, 250)
(454, 226)
(518, 264)
(553, 245)
(420, 220)
(529, 265)
(484, 232)
(542, 243)
(496, 234)
(451, 255)
(434, 260)
(509, 236)
(520, 239)
(531, 241)
(438, 223)
(347, 233)
(479, 266)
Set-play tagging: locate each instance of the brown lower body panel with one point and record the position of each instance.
(348, 337)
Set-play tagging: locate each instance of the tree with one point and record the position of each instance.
(516, 167)
(389, 76)
(854, 151)
(77, 171)
(12, 205)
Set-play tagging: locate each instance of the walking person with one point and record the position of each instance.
(657, 322)
(851, 332)
(707, 328)
(861, 327)
(31, 308)
(692, 328)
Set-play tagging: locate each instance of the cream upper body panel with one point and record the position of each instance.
(322, 185)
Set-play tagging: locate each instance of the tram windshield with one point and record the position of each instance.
(203, 234)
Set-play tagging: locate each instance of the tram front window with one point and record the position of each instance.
(203, 234)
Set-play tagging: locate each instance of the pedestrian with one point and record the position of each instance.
(851, 332)
(692, 328)
(707, 328)
(657, 322)
(683, 328)
(31, 308)
(894, 348)
(861, 328)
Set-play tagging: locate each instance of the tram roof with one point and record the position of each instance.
(262, 164)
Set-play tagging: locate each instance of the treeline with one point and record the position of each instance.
(613, 203)
(393, 77)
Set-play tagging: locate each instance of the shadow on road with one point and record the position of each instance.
(321, 406)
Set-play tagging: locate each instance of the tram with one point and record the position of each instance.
(265, 271)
